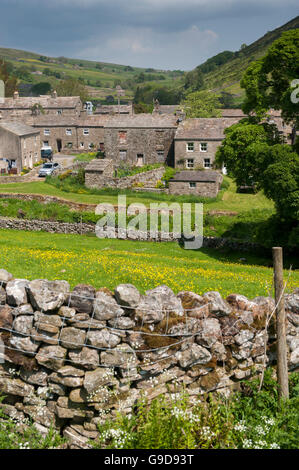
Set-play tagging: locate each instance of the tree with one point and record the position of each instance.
(268, 81)
(72, 87)
(194, 80)
(280, 181)
(202, 104)
(9, 79)
(244, 151)
(41, 88)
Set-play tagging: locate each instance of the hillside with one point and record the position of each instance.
(101, 78)
(226, 77)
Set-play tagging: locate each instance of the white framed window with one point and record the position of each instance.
(203, 146)
(91, 145)
(59, 111)
(46, 131)
(46, 143)
(190, 147)
(85, 131)
(192, 185)
(69, 145)
(82, 145)
(190, 163)
(207, 163)
(68, 131)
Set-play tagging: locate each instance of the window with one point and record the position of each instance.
(190, 147)
(160, 156)
(91, 146)
(122, 154)
(46, 131)
(192, 185)
(207, 163)
(85, 131)
(68, 131)
(122, 137)
(69, 145)
(24, 144)
(59, 111)
(82, 145)
(190, 163)
(46, 143)
(203, 146)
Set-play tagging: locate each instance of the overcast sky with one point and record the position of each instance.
(165, 34)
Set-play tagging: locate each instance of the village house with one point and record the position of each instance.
(67, 134)
(204, 183)
(19, 146)
(20, 107)
(140, 139)
(197, 140)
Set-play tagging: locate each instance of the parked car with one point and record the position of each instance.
(48, 169)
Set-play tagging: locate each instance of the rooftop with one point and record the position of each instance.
(98, 164)
(46, 101)
(142, 121)
(196, 176)
(18, 128)
(204, 128)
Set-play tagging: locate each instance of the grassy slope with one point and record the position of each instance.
(82, 259)
(88, 71)
(227, 76)
(231, 200)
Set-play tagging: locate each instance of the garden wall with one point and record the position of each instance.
(74, 358)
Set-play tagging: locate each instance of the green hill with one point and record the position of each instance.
(226, 76)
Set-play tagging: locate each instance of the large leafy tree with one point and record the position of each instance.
(268, 81)
(244, 151)
(202, 104)
(280, 181)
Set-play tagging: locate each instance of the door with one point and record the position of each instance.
(59, 145)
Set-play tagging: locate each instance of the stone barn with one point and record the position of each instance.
(205, 183)
(97, 172)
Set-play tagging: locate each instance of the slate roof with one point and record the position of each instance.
(48, 120)
(202, 176)
(47, 102)
(204, 128)
(155, 121)
(18, 128)
(98, 164)
(113, 109)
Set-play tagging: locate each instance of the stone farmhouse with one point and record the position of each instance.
(196, 141)
(140, 139)
(19, 146)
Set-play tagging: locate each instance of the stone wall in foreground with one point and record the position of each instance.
(73, 358)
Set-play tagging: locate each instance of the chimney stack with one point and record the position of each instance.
(16, 95)
(54, 94)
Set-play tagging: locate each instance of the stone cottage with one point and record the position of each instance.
(19, 146)
(140, 139)
(69, 134)
(97, 172)
(196, 141)
(205, 183)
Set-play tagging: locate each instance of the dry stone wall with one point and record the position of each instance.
(73, 358)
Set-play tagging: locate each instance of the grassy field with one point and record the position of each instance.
(230, 200)
(83, 259)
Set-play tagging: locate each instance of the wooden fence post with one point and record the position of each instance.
(282, 364)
